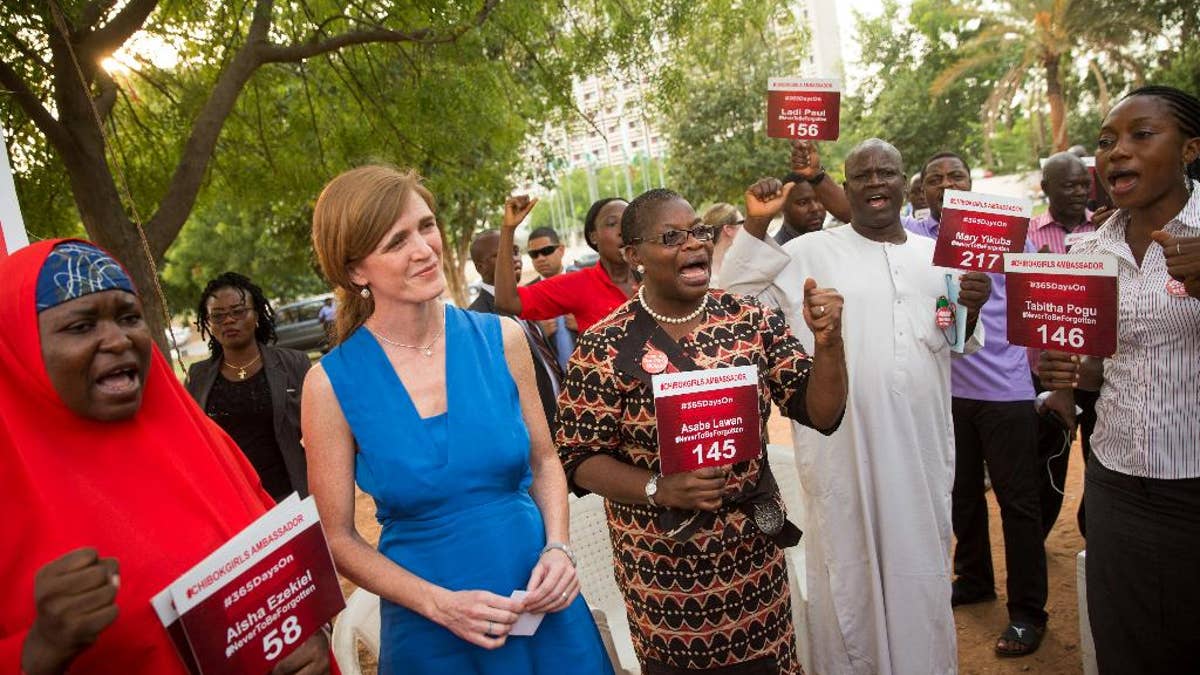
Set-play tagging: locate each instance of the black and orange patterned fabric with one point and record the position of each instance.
(719, 598)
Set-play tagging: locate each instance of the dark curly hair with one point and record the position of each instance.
(264, 332)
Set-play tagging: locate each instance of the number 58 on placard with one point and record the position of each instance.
(273, 642)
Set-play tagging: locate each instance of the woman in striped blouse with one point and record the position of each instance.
(1143, 479)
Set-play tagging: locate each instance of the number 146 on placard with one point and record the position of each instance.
(1061, 336)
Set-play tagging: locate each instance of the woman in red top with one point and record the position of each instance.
(590, 294)
(115, 483)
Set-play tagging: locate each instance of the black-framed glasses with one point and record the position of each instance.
(535, 253)
(675, 237)
(237, 314)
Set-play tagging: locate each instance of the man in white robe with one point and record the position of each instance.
(877, 491)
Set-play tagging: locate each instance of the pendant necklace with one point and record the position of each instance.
(426, 351)
(241, 370)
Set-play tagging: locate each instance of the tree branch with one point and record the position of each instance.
(113, 34)
(33, 107)
(26, 51)
(108, 93)
(315, 47)
(177, 203)
(93, 13)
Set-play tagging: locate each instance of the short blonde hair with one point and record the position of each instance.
(720, 215)
(353, 214)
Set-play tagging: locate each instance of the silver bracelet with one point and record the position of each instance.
(559, 546)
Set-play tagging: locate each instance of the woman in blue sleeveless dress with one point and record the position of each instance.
(434, 412)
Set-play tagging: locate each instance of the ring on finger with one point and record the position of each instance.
(563, 595)
(490, 631)
(1178, 248)
(819, 310)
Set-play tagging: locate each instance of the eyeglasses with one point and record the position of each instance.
(535, 253)
(675, 237)
(237, 314)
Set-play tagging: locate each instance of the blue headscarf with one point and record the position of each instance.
(75, 269)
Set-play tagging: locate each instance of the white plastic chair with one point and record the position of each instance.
(593, 552)
(1087, 645)
(359, 621)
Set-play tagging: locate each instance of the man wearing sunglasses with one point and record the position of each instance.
(546, 251)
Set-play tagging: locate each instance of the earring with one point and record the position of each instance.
(641, 269)
(365, 292)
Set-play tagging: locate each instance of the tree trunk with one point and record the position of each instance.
(1104, 100)
(1058, 106)
(104, 218)
(454, 266)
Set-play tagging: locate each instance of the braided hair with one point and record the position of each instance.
(1187, 115)
(264, 331)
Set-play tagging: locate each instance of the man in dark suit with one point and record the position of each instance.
(485, 255)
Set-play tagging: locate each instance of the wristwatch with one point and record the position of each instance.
(652, 488)
(817, 177)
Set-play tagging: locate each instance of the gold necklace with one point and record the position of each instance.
(242, 369)
(427, 350)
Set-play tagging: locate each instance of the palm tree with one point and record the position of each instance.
(1039, 37)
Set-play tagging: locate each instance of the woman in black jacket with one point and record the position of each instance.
(249, 387)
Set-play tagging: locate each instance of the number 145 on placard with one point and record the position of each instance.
(715, 452)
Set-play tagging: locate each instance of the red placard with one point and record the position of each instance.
(707, 418)
(1066, 303)
(258, 597)
(803, 109)
(976, 230)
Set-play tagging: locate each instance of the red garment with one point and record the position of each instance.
(589, 294)
(158, 492)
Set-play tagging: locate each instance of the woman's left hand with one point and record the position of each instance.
(1182, 255)
(310, 658)
(553, 584)
(823, 313)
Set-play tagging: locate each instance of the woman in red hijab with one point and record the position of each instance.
(114, 482)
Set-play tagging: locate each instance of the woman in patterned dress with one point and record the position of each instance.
(698, 555)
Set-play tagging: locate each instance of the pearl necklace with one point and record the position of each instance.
(676, 320)
(427, 350)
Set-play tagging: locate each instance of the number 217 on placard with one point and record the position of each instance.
(983, 261)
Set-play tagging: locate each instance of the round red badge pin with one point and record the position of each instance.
(654, 362)
(1176, 288)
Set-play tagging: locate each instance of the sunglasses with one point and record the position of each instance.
(675, 237)
(535, 253)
